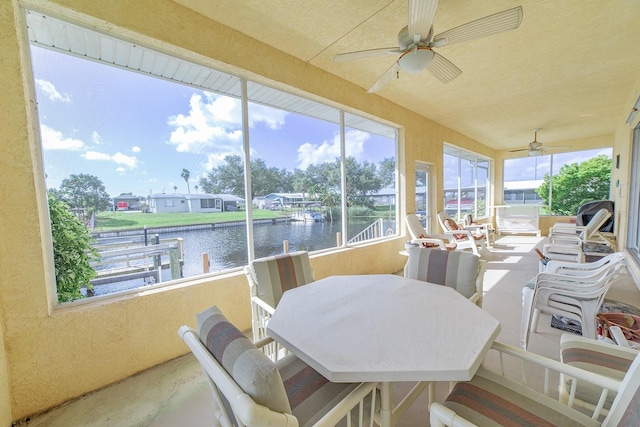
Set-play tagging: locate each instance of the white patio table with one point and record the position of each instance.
(384, 328)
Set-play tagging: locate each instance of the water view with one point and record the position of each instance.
(226, 247)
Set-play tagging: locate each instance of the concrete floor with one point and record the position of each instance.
(176, 393)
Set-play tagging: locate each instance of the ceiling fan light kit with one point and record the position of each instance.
(416, 60)
(416, 42)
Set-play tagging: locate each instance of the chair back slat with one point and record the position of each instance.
(457, 270)
(625, 410)
(276, 274)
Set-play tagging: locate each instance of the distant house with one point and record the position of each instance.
(385, 196)
(163, 203)
(127, 202)
(287, 199)
(263, 202)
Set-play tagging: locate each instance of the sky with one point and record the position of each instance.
(137, 133)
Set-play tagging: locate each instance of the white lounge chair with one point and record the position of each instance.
(420, 236)
(464, 239)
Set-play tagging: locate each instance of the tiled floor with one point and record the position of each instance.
(176, 394)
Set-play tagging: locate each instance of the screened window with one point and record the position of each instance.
(176, 130)
(558, 183)
(466, 181)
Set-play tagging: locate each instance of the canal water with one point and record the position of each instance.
(226, 247)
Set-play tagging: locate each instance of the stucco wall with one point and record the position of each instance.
(52, 354)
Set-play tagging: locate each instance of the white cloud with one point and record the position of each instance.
(272, 117)
(95, 137)
(136, 149)
(95, 155)
(121, 159)
(328, 151)
(51, 92)
(214, 123)
(206, 125)
(53, 140)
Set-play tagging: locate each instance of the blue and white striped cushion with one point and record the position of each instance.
(310, 394)
(254, 372)
(458, 270)
(486, 403)
(279, 273)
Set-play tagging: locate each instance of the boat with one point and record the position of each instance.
(308, 216)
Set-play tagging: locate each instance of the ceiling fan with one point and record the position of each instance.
(416, 42)
(536, 148)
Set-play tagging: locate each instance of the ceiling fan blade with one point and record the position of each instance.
(521, 149)
(421, 13)
(443, 69)
(384, 78)
(342, 57)
(509, 19)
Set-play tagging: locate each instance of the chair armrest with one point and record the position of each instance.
(260, 302)
(453, 233)
(522, 378)
(565, 239)
(437, 242)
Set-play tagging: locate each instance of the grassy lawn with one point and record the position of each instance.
(109, 221)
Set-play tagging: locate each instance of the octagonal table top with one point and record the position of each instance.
(383, 328)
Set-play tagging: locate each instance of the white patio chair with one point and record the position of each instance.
(251, 390)
(575, 297)
(500, 396)
(461, 271)
(489, 232)
(606, 359)
(268, 279)
(464, 239)
(420, 236)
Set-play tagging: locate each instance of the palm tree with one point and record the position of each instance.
(196, 187)
(175, 189)
(185, 175)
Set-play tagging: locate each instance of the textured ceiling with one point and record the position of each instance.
(569, 70)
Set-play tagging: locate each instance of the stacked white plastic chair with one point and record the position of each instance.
(570, 290)
(566, 241)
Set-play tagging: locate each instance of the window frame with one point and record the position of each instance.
(356, 118)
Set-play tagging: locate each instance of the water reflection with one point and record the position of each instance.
(227, 246)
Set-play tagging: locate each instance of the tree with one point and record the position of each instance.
(577, 183)
(185, 175)
(229, 178)
(72, 251)
(84, 194)
(175, 188)
(387, 172)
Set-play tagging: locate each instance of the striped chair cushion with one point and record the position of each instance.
(458, 270)
(248, 366)
(601, 358)
(487, 403)
(310, 394)
(277, 274)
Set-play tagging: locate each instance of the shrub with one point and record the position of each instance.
(72, 251)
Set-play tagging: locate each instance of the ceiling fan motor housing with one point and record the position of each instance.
(405, 40)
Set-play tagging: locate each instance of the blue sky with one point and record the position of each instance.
(136, 133)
